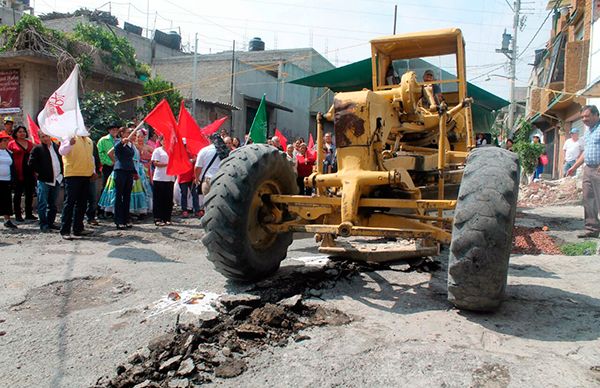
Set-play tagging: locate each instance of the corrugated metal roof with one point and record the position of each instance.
(223, 105)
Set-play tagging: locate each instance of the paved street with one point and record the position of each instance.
(73, 311)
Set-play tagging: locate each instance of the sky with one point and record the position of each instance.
(339, 29)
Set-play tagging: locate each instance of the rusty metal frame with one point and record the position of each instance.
(422, 204)
(312, 209)
(361, 167)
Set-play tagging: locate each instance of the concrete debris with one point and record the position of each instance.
(248, 330)
(186, 367)
(171, 363)
(146, 384)
(195, 354)
(550, 193)
(241, 312)
(291, 302)
(179, 383)
(232, 301)
(208, 318)
(230, 368)
(300, 338)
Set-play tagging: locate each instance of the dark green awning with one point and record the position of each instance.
(357, 76)
(354, 76)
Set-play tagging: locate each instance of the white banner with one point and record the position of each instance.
(61, 116)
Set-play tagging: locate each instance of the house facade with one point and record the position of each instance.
(560, 70)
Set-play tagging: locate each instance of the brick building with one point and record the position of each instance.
(290, 108)
(560, 71)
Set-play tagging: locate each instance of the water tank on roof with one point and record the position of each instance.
(132, 28)
(171, 40)
(256, 44)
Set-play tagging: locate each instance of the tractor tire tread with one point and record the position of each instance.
(482, 231)
(227, 207)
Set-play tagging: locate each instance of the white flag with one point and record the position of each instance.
(61, 116)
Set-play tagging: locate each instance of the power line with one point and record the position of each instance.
(539, 29)
(303, 6)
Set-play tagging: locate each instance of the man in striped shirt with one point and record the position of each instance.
(591, 171)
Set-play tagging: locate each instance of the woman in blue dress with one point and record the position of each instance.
(141, 192)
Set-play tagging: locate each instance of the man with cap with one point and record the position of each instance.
(104, 145)
(9, 122)
(591, 171)
(572, 149)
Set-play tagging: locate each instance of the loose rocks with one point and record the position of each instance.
(195, 354)
(219, 344)
(231, 368)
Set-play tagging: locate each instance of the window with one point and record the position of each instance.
(579, 30)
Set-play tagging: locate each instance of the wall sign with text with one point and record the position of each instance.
(10, 87)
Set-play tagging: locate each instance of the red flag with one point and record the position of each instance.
(282, 139)
(213, 127)
(189, 129)
(311, 142)
(33, 130)
(162, 120)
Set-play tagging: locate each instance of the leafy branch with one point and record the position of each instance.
(528, 152)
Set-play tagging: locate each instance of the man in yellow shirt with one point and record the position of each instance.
(78, 160)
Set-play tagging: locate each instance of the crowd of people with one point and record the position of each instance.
(128, 164)
(123, 176)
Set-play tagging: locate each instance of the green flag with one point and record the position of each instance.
(258, 130)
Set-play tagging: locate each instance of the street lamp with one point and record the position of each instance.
(489, 76)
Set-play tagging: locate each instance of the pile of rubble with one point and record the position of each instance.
(219, 345)
(550, 193)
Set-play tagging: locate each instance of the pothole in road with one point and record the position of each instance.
(60, 298)
(271, 314)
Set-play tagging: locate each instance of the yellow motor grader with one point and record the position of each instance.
(406, 162)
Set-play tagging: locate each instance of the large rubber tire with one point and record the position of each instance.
(482, 230)
(228, 214)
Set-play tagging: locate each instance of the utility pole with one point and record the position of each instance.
(395, 17)
(195, 75)
(512, 55)
(513, 67)
(148, 19)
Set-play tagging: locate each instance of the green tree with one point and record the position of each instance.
(156, 89)
(528, 152)
(99, 109)
(117, 50)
